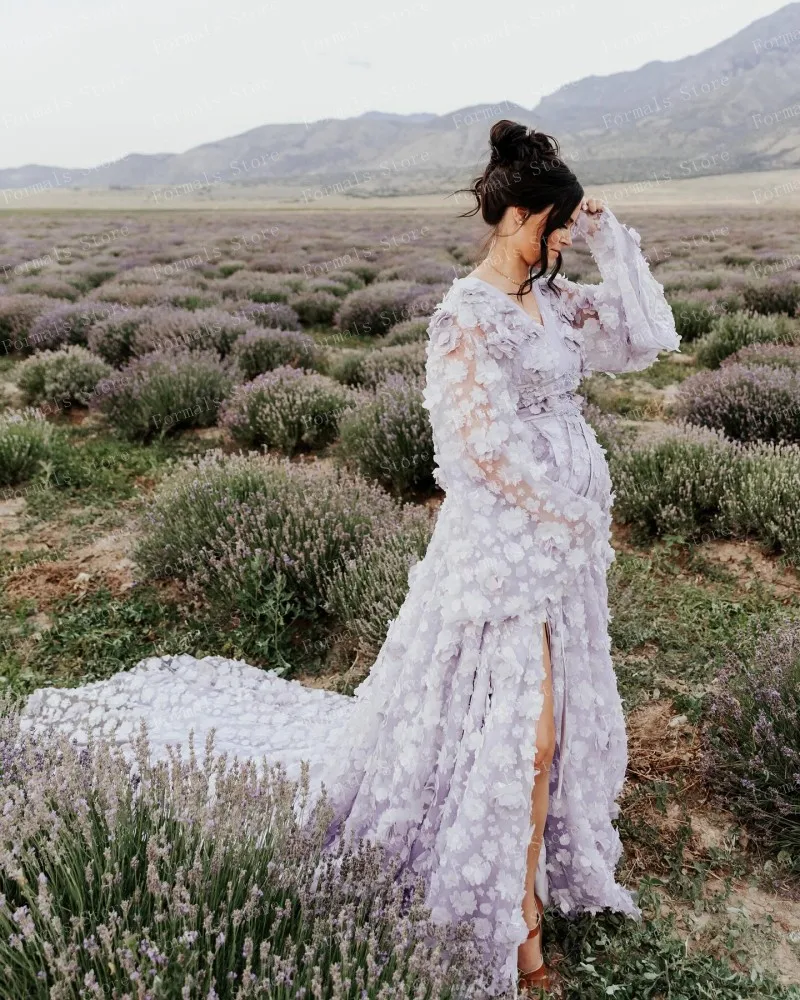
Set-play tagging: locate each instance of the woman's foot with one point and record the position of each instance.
(533, 973)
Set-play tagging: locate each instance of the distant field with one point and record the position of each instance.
(746, 190)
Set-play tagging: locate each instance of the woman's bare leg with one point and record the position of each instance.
(530, 953)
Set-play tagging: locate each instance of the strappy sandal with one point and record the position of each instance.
(536, 979)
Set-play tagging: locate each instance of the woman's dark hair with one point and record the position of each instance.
(525, 170)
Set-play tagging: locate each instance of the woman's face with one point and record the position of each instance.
(529, 234)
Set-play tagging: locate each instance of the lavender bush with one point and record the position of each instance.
(315, 308)
(773, 297)
(50, 285)
(204, 330)
(357, 274)
(764, 503)
(366, 593)
(425, 272)
(192, 298)
(747, 403)
(69, 374)
(163, 392)
(408, 331)
(610, 430)
(388, 437)
(407, 360)
(281, 263)
(260, 286)
(752, 738)
(27, 442)
(697, 480)
(259, 351)
(140, 275)
(112, 339)
(86, 276)
(67, 324)
(775, 355)
(244, 529)
(178, 877)
(18, 313)
(374, 310)
(344, 364)
(272, 315)
(287, 408)
(338, 283)
(131, 295)
(426, 301)
(730, 332)
(692, 319)
(676, 486)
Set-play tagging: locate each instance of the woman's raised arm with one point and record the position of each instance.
(625, 320)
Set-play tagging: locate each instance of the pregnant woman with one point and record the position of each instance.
(487, 746)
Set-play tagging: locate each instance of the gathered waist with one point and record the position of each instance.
(562, 405)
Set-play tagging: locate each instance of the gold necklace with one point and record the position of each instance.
(512, 280)
(502, 275)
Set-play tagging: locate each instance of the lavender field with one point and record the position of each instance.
(212, 441)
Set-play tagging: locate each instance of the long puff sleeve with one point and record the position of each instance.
(625, 320)
(516, 536)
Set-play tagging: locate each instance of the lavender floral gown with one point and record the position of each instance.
(434, 753)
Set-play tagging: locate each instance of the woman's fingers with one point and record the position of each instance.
(593, 205)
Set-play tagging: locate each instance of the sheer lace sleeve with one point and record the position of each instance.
(486, 465)
(625, 320)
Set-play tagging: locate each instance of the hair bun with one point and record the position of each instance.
(512, 143)
(543, 144)
(508, 141)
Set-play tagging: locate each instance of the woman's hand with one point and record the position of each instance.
(593, 209)
(593, 206)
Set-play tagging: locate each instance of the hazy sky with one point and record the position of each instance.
(86, 81)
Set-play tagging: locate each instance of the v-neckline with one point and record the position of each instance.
(514, 305)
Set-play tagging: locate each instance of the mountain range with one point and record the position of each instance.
(733, 107)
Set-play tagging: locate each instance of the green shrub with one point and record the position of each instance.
(344, 364)
(692, 319)
(409, 331)
(407, 360)
(26, 441)
(731, 332)
(163, 392)
(367, 369)
(388, 437)
(69, 374)
(752, 739)
(373, 310)
(675, 486)
(206, 878)
(286, 409)
(18, 313)
(247, 530)
(365, 594)
(782, 297)
(764, 503)
(262, 350)
(315, 308)
(112, 339)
